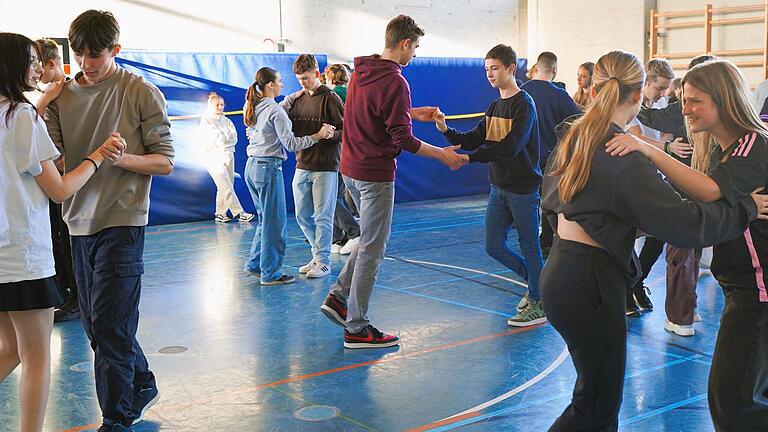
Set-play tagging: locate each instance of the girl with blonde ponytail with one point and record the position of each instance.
(596, 203)
(716, 103)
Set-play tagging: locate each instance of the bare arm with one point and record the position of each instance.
(697, 185)
(148, 164)
(446, 155)
(59, 188)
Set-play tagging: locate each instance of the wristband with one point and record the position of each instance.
(666, 146)
(95, 165)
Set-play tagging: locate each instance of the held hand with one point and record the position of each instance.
(326, 131)
(463, 160)
(440, 121)
(626, 143)
(449, 157)
(424, 114)
(113, 148)
(680, 148)
(761, 201)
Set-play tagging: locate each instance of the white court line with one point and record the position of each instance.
(543, 374)
(469, 270)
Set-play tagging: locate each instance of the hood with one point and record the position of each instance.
(371, 69)
(262, 106)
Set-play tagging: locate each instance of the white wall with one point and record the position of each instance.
(342, 28)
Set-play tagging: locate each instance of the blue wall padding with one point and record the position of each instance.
(456, 85)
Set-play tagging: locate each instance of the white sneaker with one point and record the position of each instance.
(350, 246)
(307, 267)
(335, 248)
(319, 270)
(696, 316)
(679, 329)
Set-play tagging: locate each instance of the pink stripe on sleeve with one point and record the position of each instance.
(758, 268)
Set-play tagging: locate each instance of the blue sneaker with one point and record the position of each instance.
(143, 401)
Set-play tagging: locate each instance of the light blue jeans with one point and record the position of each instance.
(509, 211)
(264, 176)
(314, 193)
(376, 201)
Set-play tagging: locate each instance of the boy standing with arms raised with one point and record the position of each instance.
(508, 139)
(377, 128)
(107, 217)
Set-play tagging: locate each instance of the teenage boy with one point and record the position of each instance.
(315, 182)
(553, 105)
(107, 217)
(508, 138)
(53, 75)
(377, 128)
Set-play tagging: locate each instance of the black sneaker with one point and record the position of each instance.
(69, 311)
(641, 297)
(115, 427)
(335, 310)
(282, 280)
(143, 401)
(632, 309)
(369, 337)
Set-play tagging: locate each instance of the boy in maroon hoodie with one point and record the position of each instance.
(377, 128)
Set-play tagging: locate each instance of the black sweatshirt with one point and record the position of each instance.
(741, 261)
(308, 113)
(624, 194)
(508, 138)
(668, 119)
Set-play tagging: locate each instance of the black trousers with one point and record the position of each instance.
(345, 227)
(650, 253)
(62, 253)
(108, 268)
(584, 294)
(738, 379)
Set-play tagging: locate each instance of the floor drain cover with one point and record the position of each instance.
(173, 350)
(317, 413)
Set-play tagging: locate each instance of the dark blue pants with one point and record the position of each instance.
(108, 268)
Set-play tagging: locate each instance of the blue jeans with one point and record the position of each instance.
(108, 267)
(507, 211)
(264, 177)
(314, 193)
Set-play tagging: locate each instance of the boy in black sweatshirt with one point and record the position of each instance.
(508, 139)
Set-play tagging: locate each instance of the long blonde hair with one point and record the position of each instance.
(617, 76)
(728, 88)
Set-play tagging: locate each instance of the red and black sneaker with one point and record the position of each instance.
(335, 310)
(369, 337)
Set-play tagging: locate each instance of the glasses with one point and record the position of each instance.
(34, 61)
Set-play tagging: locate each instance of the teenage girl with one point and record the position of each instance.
(28, 177)
(596, 204)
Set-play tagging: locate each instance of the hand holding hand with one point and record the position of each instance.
(424, 114)
(326, 131)
(463, 160)
(440, 121)
(112, 148)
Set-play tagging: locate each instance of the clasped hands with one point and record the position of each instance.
(448, 155)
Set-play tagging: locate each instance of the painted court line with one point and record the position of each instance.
(468, 270)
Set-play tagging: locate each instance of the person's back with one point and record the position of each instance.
(553, 105)
(377, 124)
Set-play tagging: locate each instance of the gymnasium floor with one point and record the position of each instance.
(231, 355)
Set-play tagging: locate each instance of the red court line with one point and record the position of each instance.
(447, 421)
(329, 372)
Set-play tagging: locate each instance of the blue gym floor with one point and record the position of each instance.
(266, 359)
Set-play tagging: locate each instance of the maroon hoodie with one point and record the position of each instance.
(377, 120)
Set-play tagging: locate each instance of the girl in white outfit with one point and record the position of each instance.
(219, 137)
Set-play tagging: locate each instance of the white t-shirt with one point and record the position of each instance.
(25, 227)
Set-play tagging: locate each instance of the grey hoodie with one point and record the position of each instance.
(272, 134)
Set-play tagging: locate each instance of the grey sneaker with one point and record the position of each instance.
(533, 314)
(523, 303)
(282, 280)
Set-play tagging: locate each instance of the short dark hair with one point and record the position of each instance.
(49, 50)
(546, 61)
(94, 30)
(400, 28)
(305, 63)
(503, 53)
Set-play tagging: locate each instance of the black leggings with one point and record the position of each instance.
(583, 291)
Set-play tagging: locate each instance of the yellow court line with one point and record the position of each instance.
(229, 113)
